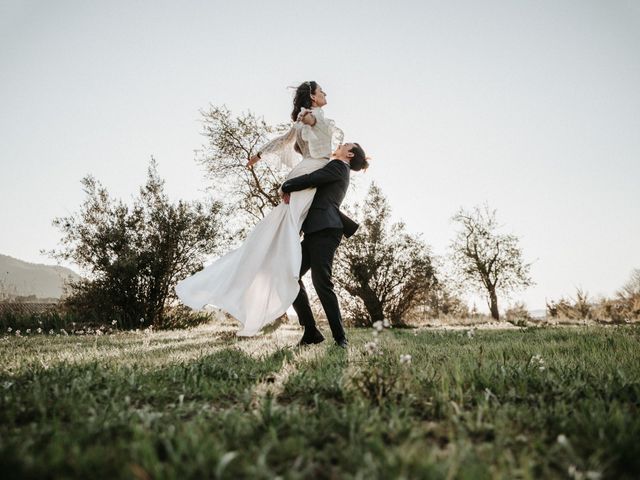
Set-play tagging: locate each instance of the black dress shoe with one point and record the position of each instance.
(343, 343)
(311, 337)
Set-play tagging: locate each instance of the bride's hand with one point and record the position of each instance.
(253, 160)
(286, 197)
(308, 118)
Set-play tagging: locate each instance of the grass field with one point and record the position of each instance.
(529, 403)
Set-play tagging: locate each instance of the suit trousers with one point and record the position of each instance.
(318, 250)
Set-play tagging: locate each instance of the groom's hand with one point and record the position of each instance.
(286, 197)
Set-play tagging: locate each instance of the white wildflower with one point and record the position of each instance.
(9, 329)
(471, 333)
(51, 331)
(39, 330)
(64, 332)
(563, 440)
(28, 330)
(371, 347)
(142, 320)
(98, 332)
(113, 322)
(538, 361)
(406, 358)
(488, 394)
(593, 475)
(378, 325)
(575, 473)
(18, 332)
(386, 323)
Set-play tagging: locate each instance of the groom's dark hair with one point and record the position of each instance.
(359, 160)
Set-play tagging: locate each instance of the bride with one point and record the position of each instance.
(258, 282)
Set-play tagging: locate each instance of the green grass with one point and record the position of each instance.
(196, 404)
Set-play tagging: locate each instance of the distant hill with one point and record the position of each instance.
(19, 278)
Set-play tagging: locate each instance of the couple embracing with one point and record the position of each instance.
(257, 282)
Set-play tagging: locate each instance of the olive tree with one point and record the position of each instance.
(385, 270)
(485, 259)
(248, 193)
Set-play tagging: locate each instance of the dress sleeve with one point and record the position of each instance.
(280, 149)
(337, 135)
(324, 137)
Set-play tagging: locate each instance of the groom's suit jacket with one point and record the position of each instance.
(331, 182)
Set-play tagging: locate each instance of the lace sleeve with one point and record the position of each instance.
(337, 135)
(280, 149)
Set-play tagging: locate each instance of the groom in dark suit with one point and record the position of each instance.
(323, 229)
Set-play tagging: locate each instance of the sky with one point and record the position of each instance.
(530, 106)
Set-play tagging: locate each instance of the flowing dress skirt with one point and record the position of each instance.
(258, 281)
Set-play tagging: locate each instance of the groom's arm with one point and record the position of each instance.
(331, 172)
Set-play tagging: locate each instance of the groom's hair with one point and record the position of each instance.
(359, 160)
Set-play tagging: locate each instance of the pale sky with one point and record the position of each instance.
(531, 106)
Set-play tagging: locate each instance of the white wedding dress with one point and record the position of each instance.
(257, 282)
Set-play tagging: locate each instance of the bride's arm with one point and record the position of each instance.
(308, 118)
(277, 146)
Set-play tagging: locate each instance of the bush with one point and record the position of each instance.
(625, 307)
(135, 255)
(518, 314)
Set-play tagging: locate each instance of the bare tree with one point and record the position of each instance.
(485, 259)
(248, 193)
(385, 270)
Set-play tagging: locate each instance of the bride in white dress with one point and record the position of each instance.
(257, 282)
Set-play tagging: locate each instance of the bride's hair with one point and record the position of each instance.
(359, 161)
(302, 98)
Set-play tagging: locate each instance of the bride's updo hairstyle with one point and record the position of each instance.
(302, 98)
(359, 160)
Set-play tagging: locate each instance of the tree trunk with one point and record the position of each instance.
(374, 307)
(493, 304)
(375, 311)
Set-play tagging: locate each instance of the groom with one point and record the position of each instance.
(323, 229)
